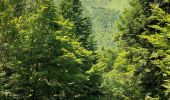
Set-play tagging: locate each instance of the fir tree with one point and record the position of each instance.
(143, 38)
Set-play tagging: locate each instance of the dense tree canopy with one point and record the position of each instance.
(41, 55)
(143, 41)
(48, 50)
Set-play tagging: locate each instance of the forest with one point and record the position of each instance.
(84, 49)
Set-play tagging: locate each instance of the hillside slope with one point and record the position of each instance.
(104, 14)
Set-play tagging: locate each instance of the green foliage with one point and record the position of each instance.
(143, 37)
(73, 10)
(48, 50)
(139, 65)
(42, 57)
(103, 16)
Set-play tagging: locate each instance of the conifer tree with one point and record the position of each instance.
(143, 37)
(82, 30)
(9, 40)
(73, 10)
(49, 61)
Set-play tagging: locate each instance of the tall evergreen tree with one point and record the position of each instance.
(143, 37)
(9, 40)
(73, 10)
(47, 58)
(82, 30)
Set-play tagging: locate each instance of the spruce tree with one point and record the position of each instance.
(48, 59)
(73, 10)
(9, 40)
(143, 38)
